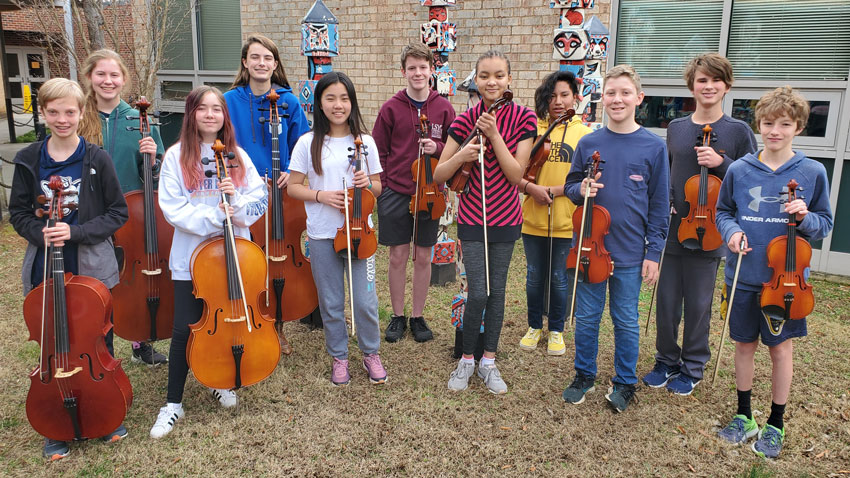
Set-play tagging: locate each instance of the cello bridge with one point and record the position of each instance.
(277, 258)
(701, 217)
(61, 373)
(234, 320)
(154, 272)
(789, 284)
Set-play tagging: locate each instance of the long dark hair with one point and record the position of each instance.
(321, 124)
(190, 139)
(543, 93)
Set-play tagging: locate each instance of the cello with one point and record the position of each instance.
(787, 295)
(289, 277)
(78, 390)
(698, 231)
(460, 178)
(428, 198)
(588, 257)
(233, 344)
(142, 245)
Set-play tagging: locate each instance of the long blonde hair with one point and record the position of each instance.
(90, 128)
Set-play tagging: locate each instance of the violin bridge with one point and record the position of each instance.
(233, 321)
(277, 258)
(586, 249)
(154, 272)
(61, 373)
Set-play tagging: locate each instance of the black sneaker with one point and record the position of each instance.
(147, 354)
(396, 329)
(620, 395)
(581, 386)
(419, 329)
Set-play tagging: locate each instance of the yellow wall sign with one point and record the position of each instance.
(27, 99)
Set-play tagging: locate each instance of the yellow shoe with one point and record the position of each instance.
(529, 342)
(556, 344)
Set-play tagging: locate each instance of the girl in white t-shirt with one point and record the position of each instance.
(322, 158)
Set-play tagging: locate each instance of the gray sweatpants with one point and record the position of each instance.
(477, 300)
(695, 298)
(329, 272)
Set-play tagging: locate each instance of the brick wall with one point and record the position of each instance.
(372, 33)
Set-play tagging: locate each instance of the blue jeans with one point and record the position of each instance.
(537, 257)
(624, 287)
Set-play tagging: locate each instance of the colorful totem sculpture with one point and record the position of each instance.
(319, 43)
(441, 36)
(580, 46)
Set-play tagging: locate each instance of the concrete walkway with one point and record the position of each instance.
(7, 153)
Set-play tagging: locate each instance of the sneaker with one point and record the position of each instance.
(55, 449)
(227, 398)
(775, 326)
(581, 386)
(339, 372)
(683, 384)
(119, 434)
(419, 329)
(147, 354)
(770, 441)
(739, 430)
(395, 331)
(620, 395)
(529, 342)
(492, 379)
(168, 416)
(459, 380)
(377, 372)
(556, 344)
(661, 374)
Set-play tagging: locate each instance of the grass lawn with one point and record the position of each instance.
(297, 424)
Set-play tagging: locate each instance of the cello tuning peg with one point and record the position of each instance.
(206, 160)
(262, 120)
(284, 106)
(351, 148)
(40, 213)
(132, 128)
(231, 155)
(209, 174)
(42, 199)
(132, 118)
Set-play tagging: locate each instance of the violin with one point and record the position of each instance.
(288, 272)
(233, 344)
(78, 390)
(459, 180)
(589, 253)
(699, 230)
(356, 236)
(142, 246)
(543, 146)
(428, 198)
(787, 295)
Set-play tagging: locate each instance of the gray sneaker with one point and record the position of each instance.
(459, 379)
(581, 386)
(739, 430)
(493, 379)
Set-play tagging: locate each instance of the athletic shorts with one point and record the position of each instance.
(395, 223)
(747, 322)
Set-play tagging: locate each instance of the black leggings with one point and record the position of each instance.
(477, 300)
(187, 310)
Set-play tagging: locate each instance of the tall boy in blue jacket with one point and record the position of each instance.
(636, 173)
(749, 215)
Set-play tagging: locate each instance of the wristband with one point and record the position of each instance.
(524, 188)
(317, 194)
(369, 186)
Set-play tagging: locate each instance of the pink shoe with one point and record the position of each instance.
(377, 372)
(339, 372)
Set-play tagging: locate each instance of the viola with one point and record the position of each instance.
(356, 236)
(698, 231)
(543, 147)
(78, 390)
(142, 246)
(233, 344)
(290, 291)
(460, 178)
(589, 253)
(428, 197)
(787, 295)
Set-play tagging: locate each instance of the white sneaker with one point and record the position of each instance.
(227, 398)
(168, 416)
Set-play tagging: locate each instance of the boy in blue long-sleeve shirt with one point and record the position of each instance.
(750, 214)
(636, 174)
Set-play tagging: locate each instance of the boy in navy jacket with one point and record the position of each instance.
(637, 197)
(749, 215)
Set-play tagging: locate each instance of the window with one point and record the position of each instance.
(790, 40)
(745, 110)
(659, 37)
(659, 111)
